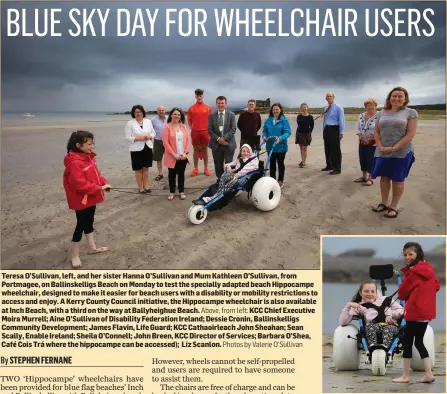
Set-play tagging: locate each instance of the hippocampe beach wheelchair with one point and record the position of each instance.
(350, 340)
(264, 192)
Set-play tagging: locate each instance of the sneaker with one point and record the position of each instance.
(281, 184)
(207, 172)
(206, 199)
(195, 172)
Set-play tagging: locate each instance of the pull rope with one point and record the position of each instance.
(131, 190)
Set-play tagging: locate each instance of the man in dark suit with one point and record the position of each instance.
(221, 128)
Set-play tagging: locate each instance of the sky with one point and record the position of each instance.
(385, 246)
(113, 73)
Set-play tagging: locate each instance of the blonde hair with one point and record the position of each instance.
(370, 101)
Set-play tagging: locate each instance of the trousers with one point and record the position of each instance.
(177, 171)
(277, 158)
(332, 150)
(84, 225)
(414, 330)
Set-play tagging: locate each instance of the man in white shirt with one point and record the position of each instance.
(158, 122)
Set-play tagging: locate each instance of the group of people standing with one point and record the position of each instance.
(165, 139)
(385, 149)
(385, 143)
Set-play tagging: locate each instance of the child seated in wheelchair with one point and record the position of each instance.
(380, 313)
(246, 163)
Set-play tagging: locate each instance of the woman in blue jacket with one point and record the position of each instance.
(277, 125)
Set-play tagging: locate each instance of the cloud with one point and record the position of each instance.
(112, 73)
(268, 69)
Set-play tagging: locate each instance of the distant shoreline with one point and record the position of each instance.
(353, 269)
(431, 110)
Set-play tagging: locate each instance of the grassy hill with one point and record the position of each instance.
(427, 111)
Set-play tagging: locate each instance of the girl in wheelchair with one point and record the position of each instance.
(247, 162)
(381, 314)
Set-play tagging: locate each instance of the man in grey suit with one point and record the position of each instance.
(221, 128)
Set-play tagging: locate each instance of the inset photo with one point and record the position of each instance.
(384, 314)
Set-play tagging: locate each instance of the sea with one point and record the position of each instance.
(336, 295)
(49, 116)
(78, 115)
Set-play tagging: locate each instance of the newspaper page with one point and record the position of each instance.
(159, 332)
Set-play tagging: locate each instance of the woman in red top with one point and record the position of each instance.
(418, 290)
(84, 187)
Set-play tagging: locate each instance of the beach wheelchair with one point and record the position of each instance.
(264, 191)
(349, 341)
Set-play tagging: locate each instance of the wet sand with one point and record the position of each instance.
(150, 232)
(362, 381)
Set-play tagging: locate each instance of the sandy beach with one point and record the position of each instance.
(150, 232)
(362, 381)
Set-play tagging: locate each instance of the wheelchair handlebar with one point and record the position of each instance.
(269, 154)
(264, 142)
